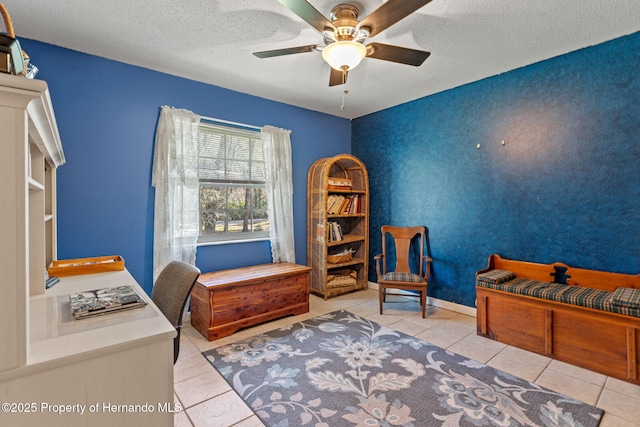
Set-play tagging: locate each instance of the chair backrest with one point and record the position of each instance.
(402, 237)
(172, 288)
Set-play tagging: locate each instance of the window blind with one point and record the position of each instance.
(231, 156)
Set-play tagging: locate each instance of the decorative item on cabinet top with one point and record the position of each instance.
(73, 267)
(13, 60)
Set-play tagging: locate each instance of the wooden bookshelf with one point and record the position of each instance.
(353, 222)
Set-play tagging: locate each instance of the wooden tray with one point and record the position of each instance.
(73, 267)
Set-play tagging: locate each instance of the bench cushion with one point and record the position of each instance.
(496, 276)
(626, 297)
(568, 294)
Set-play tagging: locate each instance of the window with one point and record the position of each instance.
(233, 203)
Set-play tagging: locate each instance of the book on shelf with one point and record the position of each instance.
(50, 281)
(341, 205)
(338, 231)
(335, 183)
(334, 204)
(335, 233)
(353, 206)
(106, 300)
(330, 202)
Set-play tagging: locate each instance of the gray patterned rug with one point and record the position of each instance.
(341, 369)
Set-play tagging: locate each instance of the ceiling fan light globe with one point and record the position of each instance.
(343, 54)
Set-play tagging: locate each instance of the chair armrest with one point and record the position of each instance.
(378, 269)
(427, 267)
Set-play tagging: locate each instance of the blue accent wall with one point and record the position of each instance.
(107, 114)
(565, 186)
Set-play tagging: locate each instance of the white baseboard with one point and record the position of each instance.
(447, 305)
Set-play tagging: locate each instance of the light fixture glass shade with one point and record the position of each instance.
(343, 54)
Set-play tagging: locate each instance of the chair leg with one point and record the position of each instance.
(381, 296)
(423, 302)
(176, 346)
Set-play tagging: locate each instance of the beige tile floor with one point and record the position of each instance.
(209, 401)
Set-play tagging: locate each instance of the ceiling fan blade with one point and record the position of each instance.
(337, 77)
(286, 51)
(389, 13)
(308, 13)
(401, 55)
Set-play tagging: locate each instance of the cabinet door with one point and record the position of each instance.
(14, 223)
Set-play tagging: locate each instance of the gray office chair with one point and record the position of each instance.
(170, 293)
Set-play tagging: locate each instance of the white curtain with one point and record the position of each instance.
(175, 178)
(279, 183)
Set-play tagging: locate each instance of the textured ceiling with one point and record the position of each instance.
(212, 41)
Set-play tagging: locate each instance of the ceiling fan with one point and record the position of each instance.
(344, 36)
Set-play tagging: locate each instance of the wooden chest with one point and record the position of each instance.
(224, 301)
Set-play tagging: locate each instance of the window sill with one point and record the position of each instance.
(229, 242)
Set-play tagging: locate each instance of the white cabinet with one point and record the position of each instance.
(30, 153)
(45, 356)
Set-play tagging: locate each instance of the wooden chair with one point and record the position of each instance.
(402, 277)
(170, 293)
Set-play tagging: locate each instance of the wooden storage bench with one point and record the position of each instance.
(224, 301)
(565, 313)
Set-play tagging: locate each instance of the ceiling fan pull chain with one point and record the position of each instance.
(344, 81)
(343, 95)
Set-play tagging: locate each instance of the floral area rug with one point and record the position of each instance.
(341, 369)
